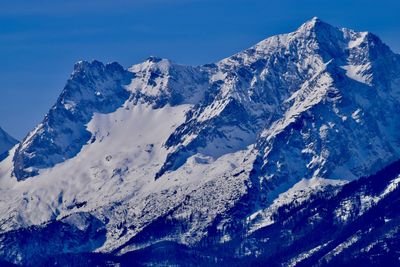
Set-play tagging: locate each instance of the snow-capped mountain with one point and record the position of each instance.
(129, 160)
(6, 141)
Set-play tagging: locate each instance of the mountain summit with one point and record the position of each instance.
(202, 160)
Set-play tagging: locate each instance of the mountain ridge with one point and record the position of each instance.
(6, 141)
(161, 152)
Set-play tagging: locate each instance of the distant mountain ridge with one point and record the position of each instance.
(6, 141)
(171, 157)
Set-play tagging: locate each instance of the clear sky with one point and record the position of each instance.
(41, 40)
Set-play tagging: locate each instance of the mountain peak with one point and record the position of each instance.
(313, 21)
(315, 25)
(92, 88)
(155, 59)
(84, 66)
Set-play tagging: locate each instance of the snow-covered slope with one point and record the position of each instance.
(6, 141)
(202, 155)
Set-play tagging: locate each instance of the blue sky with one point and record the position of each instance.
(41, 40)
